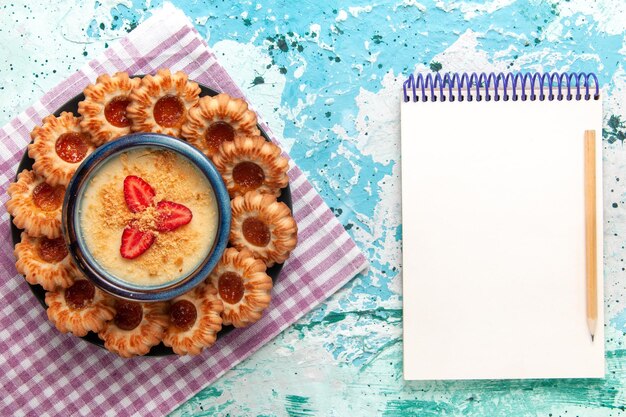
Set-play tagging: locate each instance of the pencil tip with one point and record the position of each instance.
(592, 338)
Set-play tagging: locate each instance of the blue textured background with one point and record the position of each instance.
(326, 76)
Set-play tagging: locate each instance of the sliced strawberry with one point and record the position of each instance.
(171, 216)
(135, 242)
(137, 193)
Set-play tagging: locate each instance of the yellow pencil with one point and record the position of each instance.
(590, 231)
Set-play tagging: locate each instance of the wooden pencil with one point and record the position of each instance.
(590, 231)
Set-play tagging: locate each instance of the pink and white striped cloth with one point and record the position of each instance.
(44, 372)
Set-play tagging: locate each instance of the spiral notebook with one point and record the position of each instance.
(494, 226)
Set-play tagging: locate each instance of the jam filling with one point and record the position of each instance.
(128, 314)
(80, 294)
(52, 250)
(71, 147)
(248, 175)
(230, 287)
(256, 231)
(47, 197)
(218, 133)
(168, 111)
(115, 112)
(183, 314)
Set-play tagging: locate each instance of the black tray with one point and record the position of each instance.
(160, 349)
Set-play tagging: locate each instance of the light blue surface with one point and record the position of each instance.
(326, 75)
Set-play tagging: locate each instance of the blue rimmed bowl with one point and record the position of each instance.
(77, 246)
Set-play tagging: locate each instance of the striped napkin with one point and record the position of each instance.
(44, 372)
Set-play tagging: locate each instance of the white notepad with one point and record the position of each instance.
(494, 235)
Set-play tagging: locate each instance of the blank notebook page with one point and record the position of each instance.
(494, 240)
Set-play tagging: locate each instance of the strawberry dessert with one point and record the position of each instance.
(149, 217)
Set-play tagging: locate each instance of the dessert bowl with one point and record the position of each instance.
(92, 255)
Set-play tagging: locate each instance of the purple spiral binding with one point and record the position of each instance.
(489, 86)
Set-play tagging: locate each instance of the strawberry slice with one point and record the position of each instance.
(135, 242)
(137, 193)
(171, 216)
